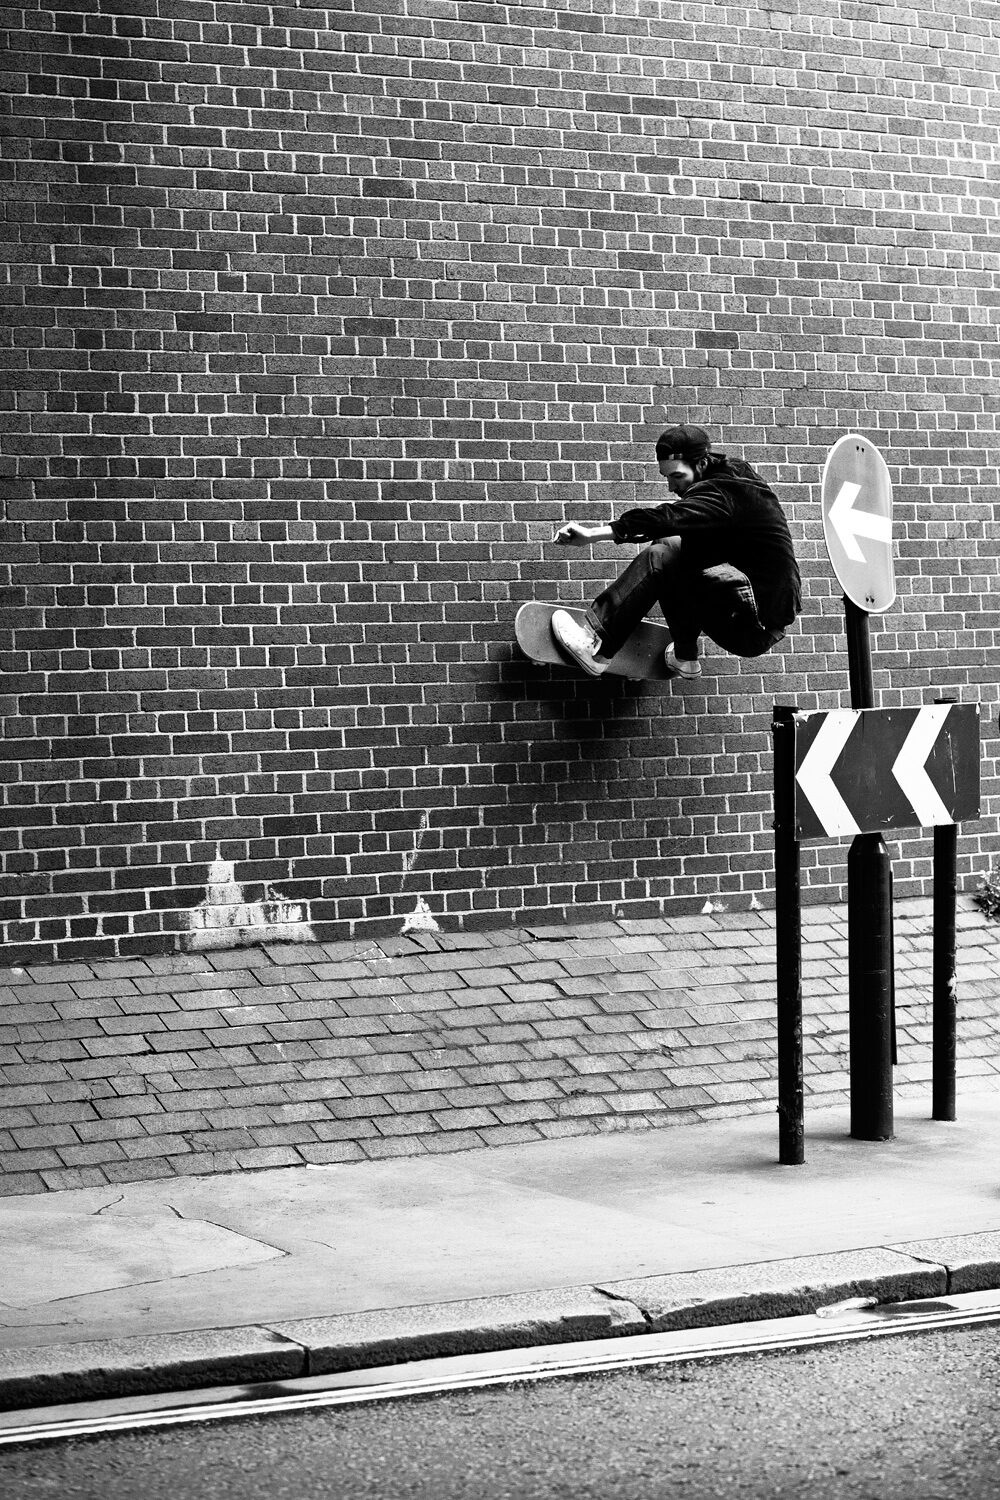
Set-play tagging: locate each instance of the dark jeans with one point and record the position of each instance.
(718, 602)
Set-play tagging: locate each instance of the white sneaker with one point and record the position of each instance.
(578, 641)
(679, 666)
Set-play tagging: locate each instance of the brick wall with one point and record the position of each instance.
(321, 319)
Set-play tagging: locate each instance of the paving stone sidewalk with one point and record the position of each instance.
(128, 1070)
(295, 1273)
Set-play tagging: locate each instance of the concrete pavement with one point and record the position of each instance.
(245, 1277)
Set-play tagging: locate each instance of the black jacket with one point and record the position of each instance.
(729, 515)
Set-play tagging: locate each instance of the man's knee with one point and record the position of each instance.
(664, 555)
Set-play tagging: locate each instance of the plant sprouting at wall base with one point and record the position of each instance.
(987, 894)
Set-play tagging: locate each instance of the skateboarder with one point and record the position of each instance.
(719, 562)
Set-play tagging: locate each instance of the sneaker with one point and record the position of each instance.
(578, 641)
(679, 666)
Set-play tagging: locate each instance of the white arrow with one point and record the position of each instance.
(814, 773)
(849, 523)
(910, 766)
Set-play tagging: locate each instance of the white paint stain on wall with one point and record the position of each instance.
(421, 918)
(410, 859)
(226, 919)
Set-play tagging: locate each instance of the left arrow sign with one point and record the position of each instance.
(849, 524)
(813, 775)
(910, 766)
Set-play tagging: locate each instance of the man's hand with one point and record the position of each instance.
(576, 534)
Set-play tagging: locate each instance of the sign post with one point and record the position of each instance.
(864, 772)
(860, 771)
(944, 1006)
(788, 939)
(857, 503)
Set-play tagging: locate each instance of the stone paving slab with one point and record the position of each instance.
(161, 1362)
(972, 1261)
(778, 1289)
(363, 1340)
(45, 1250)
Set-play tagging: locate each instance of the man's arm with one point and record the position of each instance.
(703, 507)
(576, 534)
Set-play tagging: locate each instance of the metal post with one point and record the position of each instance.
(870, 937)
(943, 1045)
(788, 936)
(894, 1055)
(944, 1005)
(859, 656)
(869, 920)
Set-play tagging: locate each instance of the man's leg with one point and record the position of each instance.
(728, 608)
(655, 575)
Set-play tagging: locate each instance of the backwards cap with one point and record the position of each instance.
(684, 441)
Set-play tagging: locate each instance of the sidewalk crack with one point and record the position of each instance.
(254, 1239)
(602, 1291)
(113, 1204)
(925, 1260)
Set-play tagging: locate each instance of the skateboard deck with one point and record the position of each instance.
(640, 657)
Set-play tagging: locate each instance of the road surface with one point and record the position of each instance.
(913, 1417)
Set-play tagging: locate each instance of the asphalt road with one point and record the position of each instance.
(913, 1417)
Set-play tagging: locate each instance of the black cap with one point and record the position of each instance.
(683, 441)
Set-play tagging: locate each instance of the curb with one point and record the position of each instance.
(56, 1374)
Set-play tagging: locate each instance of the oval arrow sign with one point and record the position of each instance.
(857, 522)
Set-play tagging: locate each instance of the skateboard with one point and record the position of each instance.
(640, 657)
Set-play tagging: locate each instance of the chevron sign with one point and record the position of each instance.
(870, 769)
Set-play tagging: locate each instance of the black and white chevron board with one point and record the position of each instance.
(868, 770)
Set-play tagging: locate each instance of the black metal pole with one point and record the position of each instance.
(892, 977)
(788, 937)
(869, 933)
(859, 656)
(944, 1012)
(869, 920)
(944, 1004)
